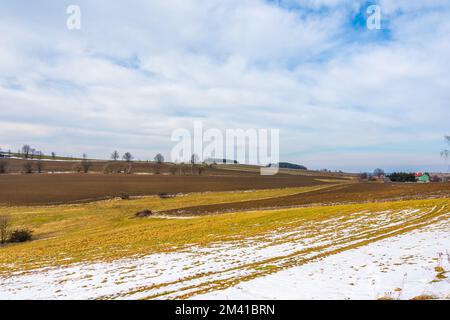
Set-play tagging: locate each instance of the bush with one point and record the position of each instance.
(402, 177)
(165, 195)
(21, 235)
(124, 196)
(144, 214)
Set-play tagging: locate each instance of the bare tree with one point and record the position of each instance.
(378, 172)
(39, 165)
(3, 166)
(128, 157)
(26, 149)
(85, 164)
(4, 228)
(53, 156)
(129, 169)
(446, 153)
(159, 158)
(184, 168)
(173, 169)
(115, 155)
(28, 167)
(201, 169)
(194, 158)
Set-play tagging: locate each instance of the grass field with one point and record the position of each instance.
(221, 250)
(217, 232)
(107, 229)
(95, 227)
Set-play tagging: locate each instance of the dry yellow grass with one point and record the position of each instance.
(107, 230)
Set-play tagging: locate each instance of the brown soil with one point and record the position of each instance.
(22, 189)
(350, 193)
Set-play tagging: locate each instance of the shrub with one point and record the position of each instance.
(165, 195)
(402, 177)
(21, 235)
(144, 214)
(124, 196)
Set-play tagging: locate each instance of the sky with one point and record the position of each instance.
(343, 97)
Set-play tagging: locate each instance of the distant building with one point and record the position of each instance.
(423, 177)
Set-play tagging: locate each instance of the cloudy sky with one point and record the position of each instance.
(344, 97)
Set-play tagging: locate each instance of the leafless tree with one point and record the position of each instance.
(39, 166)
(4, 228)
(28, 167)
(85, 164)
(173, 169)
(378, 172)
(446, 153)
(53, 156)
(26, 149)
(159, 158)
(129, 169)
(194, 158)
(184, 168)
(3, 166)
(115, 155)
(128, 157)
(77, 168)
(200, 170)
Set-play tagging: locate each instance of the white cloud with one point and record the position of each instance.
(134, 73)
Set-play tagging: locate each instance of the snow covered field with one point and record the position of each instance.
(402, 267)
(365, 255)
